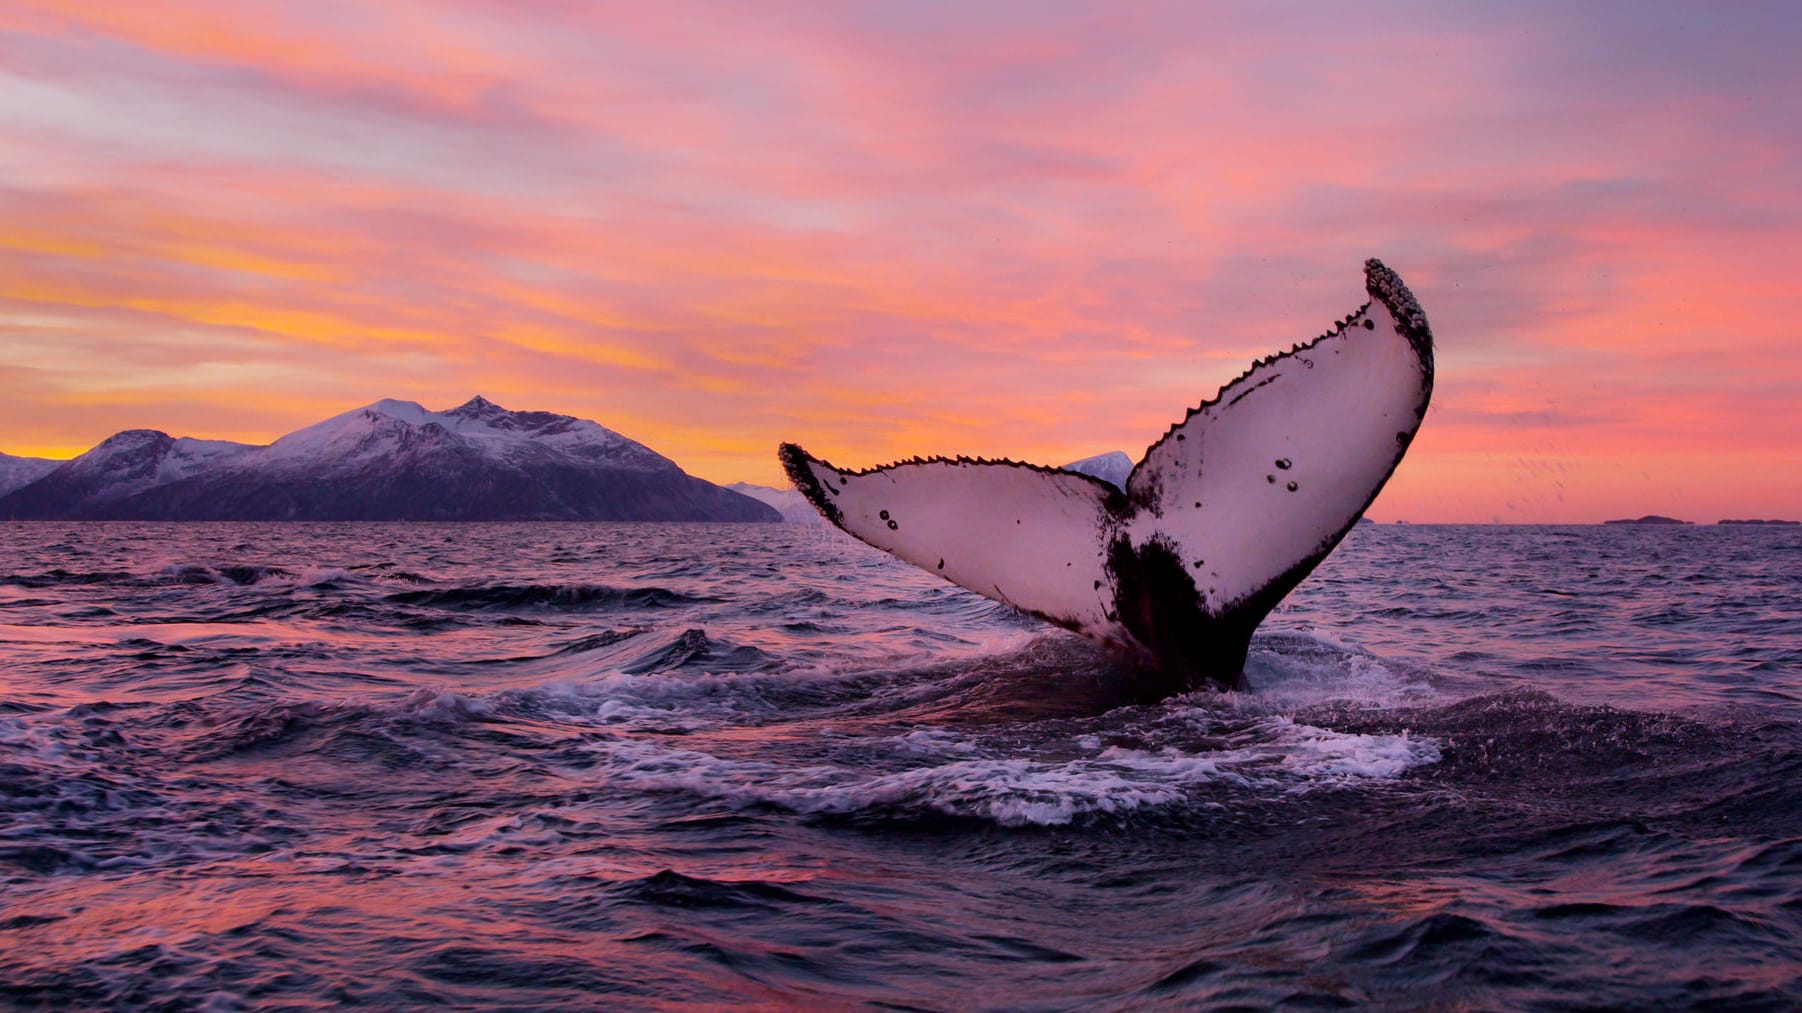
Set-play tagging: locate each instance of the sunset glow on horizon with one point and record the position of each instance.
(1028, 231)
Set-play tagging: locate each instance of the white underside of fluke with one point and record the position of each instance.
(1285, 458)
(1030, 537)
(1249, 491)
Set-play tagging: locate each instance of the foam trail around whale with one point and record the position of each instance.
(1222, 518)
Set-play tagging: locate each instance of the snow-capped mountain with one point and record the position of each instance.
(122, 466)
(1112, 467)
(496, 433)
(18, 472)
(391, 460)
(789, 502)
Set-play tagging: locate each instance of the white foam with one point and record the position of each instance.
(933, 742)
(1011, 792)
(1281, 757)
(313, 575)
(1322, 753)
(1327, 639)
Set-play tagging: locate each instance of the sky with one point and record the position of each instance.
(1034, 230)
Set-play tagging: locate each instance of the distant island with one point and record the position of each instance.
(1650, 519)
(388, 461)
(1758, 522)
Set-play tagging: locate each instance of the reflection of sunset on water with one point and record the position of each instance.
(564, 765)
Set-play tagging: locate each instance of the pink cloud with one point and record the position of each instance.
(890, 230)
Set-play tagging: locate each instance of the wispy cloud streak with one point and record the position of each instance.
(887, 229)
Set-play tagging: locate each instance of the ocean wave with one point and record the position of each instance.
(1016, 791)
(200, 573)
(1519, 732)
(58, 577)
(792, 769)
(664, 699)
(560, 597)
(668, 888)
(1292, 669)
(693, 649)
(260, 728)
(182, 573)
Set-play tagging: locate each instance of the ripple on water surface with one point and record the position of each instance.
(542, 765)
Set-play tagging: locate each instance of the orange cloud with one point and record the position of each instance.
(889, 231)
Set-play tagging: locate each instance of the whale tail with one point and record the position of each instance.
(1224, 515)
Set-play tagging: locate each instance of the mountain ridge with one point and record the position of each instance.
(18, 472)
(389, 460)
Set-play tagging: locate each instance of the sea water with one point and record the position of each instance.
(763, 766)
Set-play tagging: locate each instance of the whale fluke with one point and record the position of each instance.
(1222, 518)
